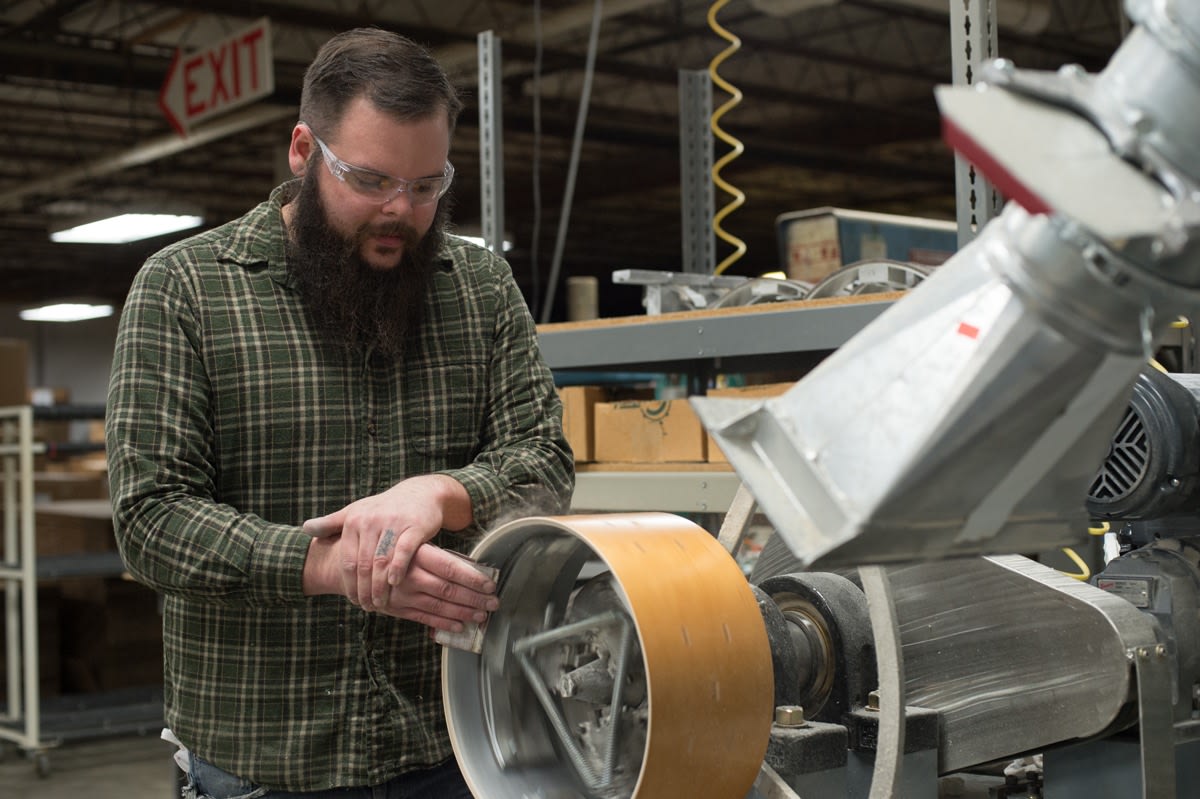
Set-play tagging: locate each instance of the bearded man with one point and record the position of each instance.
(311, 408)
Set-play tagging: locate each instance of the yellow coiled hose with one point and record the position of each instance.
(739, 198)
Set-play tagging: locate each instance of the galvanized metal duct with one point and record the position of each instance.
(971, 417)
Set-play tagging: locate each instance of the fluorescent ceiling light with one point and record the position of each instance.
(66, 312)
(124, 228)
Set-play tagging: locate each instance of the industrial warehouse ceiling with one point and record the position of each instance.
(837, 109)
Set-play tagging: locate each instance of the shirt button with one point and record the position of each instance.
(371, 429)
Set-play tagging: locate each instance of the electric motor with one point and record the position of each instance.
(1152, 470)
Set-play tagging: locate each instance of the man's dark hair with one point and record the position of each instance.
(397, 75)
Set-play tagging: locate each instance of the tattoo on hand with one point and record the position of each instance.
(385, 543)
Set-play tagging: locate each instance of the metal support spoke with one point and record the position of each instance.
(524, 648)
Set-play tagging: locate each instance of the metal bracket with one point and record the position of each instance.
(491, 142)
(1128, 132)
(737, 520)
(695, 169)
(973, 42)
(1155, 721)
(677, 291)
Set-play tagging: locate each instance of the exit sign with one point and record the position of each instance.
(230, 73)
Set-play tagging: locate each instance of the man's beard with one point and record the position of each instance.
(358, 306)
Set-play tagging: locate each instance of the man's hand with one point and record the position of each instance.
(441, 589)
(378, 537)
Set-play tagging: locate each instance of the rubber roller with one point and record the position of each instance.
(628, 659)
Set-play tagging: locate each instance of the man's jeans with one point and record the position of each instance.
(444, 781)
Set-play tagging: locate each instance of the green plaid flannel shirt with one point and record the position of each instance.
(231, 421)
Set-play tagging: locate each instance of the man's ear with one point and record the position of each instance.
(299, 150)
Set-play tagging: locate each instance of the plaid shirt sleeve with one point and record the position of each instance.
(525, 466)
(172, 532)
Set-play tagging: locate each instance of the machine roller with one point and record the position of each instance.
(615, 635)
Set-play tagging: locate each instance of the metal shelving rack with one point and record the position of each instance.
(751, 338)
(21, 723)
(779, 336)
(29, 722)
(699, 491)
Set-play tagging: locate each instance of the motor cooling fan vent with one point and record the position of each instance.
(1126, 465)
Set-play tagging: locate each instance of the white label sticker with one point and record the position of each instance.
(1135, 592)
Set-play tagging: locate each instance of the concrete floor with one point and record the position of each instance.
(130, 767)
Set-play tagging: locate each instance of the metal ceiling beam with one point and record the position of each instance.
(455, 57)
(1089, 56)
(47, 18)
(289, 14)
(669, 76)
(58, 62)
(756, 44)
(152, 150)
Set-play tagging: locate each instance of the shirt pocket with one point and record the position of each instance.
(445, 404)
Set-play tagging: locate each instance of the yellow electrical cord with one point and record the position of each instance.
(1179, 324)
(1101, 529)
(1084, 572)
(739, 198)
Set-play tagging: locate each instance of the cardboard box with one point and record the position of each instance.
(112, 635)
(83, 463)
(58, 486)
(654, 431)
(579, 420)
(817, 242)
(49, 636)
(715, 455)
(52, 431)
(74, 526)
(49, 395)
(14, 372)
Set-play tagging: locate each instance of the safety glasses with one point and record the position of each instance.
(384, 188)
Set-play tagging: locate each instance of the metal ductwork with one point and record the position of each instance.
(971, 417)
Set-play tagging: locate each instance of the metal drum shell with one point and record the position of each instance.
(704, 646)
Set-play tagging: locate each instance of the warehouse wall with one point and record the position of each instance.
(74, 355)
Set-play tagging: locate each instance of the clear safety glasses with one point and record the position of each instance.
(383, 188)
